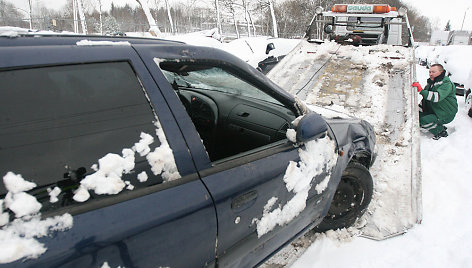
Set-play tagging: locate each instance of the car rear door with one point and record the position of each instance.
(159, 219)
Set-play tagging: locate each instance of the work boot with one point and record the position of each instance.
(441, 134)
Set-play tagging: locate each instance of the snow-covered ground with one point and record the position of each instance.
(250, 49)
(443, 239)
(455, 59)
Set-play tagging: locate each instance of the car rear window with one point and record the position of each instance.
(61, 118)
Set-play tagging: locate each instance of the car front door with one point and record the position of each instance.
(258, 210)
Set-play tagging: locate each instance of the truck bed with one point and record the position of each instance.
(372, 83)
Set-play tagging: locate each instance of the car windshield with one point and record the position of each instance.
(363, 23)
(214, 79)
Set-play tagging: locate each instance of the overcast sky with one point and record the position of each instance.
(439, 11)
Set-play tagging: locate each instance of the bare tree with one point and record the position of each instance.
(169, 16)
(100, 13)
(246, 16)
(153, 28)
(231, 8)
(252, 23)
(188, 8)
(80, 7)
(274, 20)
(218, 17)
(9, 15)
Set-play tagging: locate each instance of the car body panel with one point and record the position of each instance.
(240, 195)
(119, 233)
(123, 233)
(209, 216)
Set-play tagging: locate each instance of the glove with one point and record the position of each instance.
(417, 85)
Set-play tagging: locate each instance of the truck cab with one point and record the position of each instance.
(358, 24)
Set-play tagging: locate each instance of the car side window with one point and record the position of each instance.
(56, 122)
(231, 114)
(217, 79)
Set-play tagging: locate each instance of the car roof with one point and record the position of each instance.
(169, 49)
(50, 39)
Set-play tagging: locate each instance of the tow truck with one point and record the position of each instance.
(363, 24)
(364, 67)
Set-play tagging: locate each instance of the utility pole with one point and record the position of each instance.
(100, 14)
(74, 12)
(30, 14)
(465, 12)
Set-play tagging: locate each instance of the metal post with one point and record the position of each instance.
(30, 14)
(74, 11)
(100, 13)
(465, 12)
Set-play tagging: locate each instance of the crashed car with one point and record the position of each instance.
(136, 153)
(267, 64)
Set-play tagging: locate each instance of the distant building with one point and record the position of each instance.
(459, 38)
(439, 38)
(444, 38)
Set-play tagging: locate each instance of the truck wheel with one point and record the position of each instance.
(351, 199)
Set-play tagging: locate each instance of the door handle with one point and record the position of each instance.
(244, 201)
(243, 114)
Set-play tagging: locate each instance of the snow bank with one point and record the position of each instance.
(10, 31)
(206, 38)
(455, 59)
(251, 49)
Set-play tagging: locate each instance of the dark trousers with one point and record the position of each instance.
(432, 123)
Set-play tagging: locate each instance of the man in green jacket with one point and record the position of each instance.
(439, 104)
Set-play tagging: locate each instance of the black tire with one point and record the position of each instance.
(468, 102)
(351, 199)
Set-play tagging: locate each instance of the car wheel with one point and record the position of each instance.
(468, 104)
(351, 199)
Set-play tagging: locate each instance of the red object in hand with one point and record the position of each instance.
(417, 85)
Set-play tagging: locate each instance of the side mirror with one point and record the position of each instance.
(311, 126)
(270, 47)
(328, 28)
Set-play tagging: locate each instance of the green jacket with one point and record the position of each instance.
(439, 97)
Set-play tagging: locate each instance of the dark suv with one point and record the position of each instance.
(165, 154)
